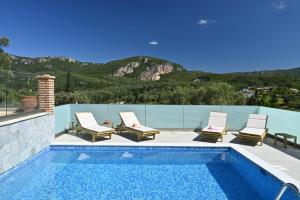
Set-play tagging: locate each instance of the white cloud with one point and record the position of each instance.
(153, 43)
(280, 5)
(205, 21)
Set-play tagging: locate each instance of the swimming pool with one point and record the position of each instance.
(110, 172)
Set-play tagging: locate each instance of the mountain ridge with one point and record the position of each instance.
(141, 67)
(121, 63)
(287, 71)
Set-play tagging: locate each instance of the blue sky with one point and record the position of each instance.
(208, 35)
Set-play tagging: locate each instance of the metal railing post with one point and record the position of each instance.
(6, 94)
(145, 115)
(183, 116)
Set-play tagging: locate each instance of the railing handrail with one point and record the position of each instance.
(283, 189)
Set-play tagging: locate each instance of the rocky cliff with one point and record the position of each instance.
(127, 69)
(153, 73)
(146, 68)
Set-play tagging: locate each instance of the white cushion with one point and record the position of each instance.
(257, 121)
(86, 119)
(217, 119)
(218, 114)
(98, 128)
(129, 119)
(253, 131)
(144, 128)
(258, 116)
(214, 129)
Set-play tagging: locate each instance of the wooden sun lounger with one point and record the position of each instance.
(256, 128)
(216, 125)
(88, 124)
(129, 120)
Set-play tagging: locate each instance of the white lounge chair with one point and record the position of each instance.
(88, 124)
(131, 124)
(256, 128)
(216, 125)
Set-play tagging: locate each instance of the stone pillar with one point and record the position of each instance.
(46, 92)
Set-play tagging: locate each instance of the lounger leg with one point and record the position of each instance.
(153, 136)
(109, 136)
(138, 137)
(221, 138)
(285, 142)
(94, 137)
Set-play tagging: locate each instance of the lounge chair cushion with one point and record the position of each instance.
(253, 131)
(144, 128)
(86, 119)
(129, 119)
(217, 119)
(257, 121)
(214, 129)
(98, 128)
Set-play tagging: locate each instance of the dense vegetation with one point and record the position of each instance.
(181, 88)
(4, 57)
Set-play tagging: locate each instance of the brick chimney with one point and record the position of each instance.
(46, 92)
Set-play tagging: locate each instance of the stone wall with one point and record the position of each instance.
(21, 140)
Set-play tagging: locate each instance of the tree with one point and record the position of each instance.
(4, 57)
(197, 96)
(68, 82)
(252, 100)
(178, 97)
(4, 41)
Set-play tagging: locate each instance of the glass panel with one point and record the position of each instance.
(62, 118)
(2, 96)
(99, 111)
(275, 117)
(174, 116)
(196, 116)
(15, 86)
(237, 116)
(167, 116)
(164, 116)
(114, 109)
(104, 112)
(17, 94)
(283, 121)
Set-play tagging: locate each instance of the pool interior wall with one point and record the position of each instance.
(20, 141)
(88, 172)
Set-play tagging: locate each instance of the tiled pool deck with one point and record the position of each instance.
(286, 160)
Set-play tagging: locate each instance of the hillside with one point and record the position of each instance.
(141, 67)
(144, 79)
(145, 68)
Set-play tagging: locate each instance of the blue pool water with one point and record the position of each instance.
(139, 173)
